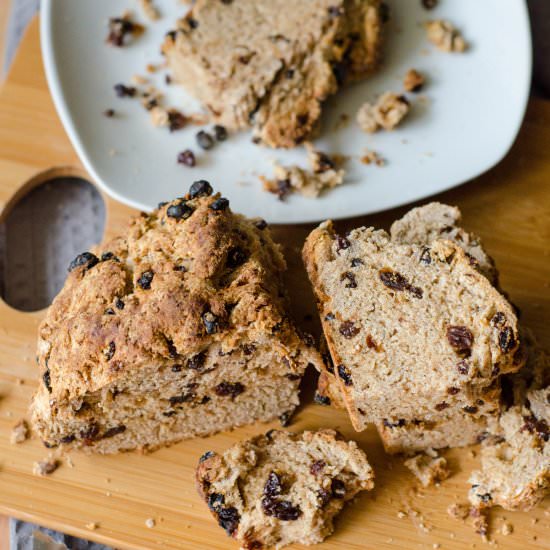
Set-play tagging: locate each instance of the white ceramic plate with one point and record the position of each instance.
(472, 110)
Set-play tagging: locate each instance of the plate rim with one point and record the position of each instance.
(58, 96)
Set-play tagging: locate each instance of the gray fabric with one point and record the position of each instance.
(23, 537)
(41, 235)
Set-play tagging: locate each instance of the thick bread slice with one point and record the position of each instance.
(412, 330)
(270, 64)
(282, 488)
(177, 328)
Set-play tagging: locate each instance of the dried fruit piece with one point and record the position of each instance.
(460, 338)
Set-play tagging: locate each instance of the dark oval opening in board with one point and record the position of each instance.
(41, 234)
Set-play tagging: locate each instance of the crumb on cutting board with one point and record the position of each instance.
(45, 467)
(19, 432)
(428, 469)
(149, 10)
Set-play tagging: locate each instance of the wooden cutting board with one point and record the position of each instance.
(108, 499)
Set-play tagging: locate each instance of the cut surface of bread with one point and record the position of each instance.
(270, 64)
(413, 330)
(282, 488)
(175, 329)
(515, 460)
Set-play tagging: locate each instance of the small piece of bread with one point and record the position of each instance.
(387, 113)
(444, 36)
(19, 433)
(515, 462)
(282, 488)
(412, 330)
(45, 467)
(176, 328)
(428, 469)
(413, 81)
(271, 64)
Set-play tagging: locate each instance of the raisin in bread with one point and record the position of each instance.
(515, 459)
(435, 220)
(282, 488)
(177, 328)
(416, 323)
(270, 64)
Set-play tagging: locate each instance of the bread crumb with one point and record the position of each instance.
(151, 68)
(93, 525)
(458, 510)
(444, 36)
(138, 79)
(372, 157)
(401, 514)
(19, 433)
(413, 81)
(149, 10)
(69, 461)
(150, 523)
(507, 528)
(45, 467)
(428, 469)
(387, 113)
(436, 545)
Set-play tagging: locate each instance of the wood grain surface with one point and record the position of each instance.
(108, 499)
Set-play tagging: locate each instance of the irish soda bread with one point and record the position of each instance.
(281, 488)
(413, 330)
(515, 459)
(270, 64)
(175, 329)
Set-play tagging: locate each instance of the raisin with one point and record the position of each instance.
(124, 91)
(327, 361)
(396, 281)
(193, 23)
(348, 329)
(260, 224)
(506, 340)
(46, 378)
(285, 418)
(106, 256)
(321, 399)
(196, 362)
(109, 113)
(68, 438)
(111, 432)
(342, 243)
(187, 158)
(228, 519)
(498, 319)
(232, 389)
(179, 211)
(453, 391)
(442, 406)
(172, 351)
(176, 120)
(350, 277)
(110, 351)
(119, 304)
(281, 509)
(90, 433)
(429, 4)
(252, 544)
(324, 497)
(356, 262)
(486, 497)
(471, 409)
(338, 488)
(235, 257)
(145, 280)
(317, 467)
(371, 343)
(535, 426)
(205, 140)
(219, 204)
(200, 188)
(323, 163)
(210, 322)
(86, 259)
(460, 338)
(425, 257)
(206, 456)
(335, 11)
(176, 368)
(398, 424)
(345, 375)
(220, 132)
(119, 27)
(183, 398)
(463, 367)
(330, 317)
(292, 376)
(273, 486)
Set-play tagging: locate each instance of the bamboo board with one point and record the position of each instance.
(509, 207)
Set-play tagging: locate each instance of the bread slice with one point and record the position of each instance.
(425, 224)
(282, 488)
(515, 461)
(175, 329)
(270, 64)
(412, 330)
